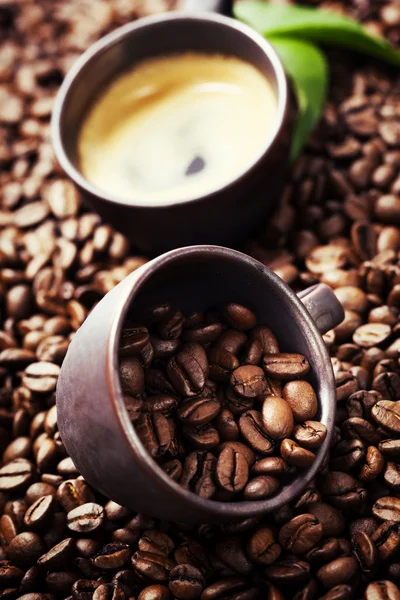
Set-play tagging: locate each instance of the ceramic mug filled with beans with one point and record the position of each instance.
(200, 388)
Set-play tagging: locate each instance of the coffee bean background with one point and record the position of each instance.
(338, 222)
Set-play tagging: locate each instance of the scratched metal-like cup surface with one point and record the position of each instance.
(92, 418)
(225, 216)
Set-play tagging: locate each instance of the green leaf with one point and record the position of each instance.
(308, 71)
(314, 24)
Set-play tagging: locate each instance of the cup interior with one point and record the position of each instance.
(200, 277)
(148, 37)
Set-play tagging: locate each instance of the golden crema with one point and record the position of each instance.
(177, 127)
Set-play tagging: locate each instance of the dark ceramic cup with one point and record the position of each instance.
(225, 216)
(92, 418)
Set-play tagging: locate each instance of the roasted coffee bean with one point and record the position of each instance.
(222, 363)
(327, 551)
(309, 496)
(19, 448)
(277, 417)
(288, 571)
(237, 404)
(157, 382)
(134, 407)
(164, 404)
(346, 385)
(232, 470)
(360, 403)
(266, 339)
(386, 538)
(339, 592)
(357, 428)
(230, 588)
(198, 474)
(132, 376)
(365, 552)
(153, 567)
(331, 519)
(242, 448)
(295, 455)
(133, 339)
(271, 465)
(85, 518)
(366, 524)
(390, 448)
(261, 487)
(388, 385)
(73, 493)
(302, 400)
(300, 534)
(205, 437)
(155, 592)
(262, 547)
(231, 341)
(203, 334)
(238, 316)
(252, 353)
(387, 508)
(41, 377)
(197, 412)
(156, 542)
(374, 464)
(382, 590)
(192, 552)
(226, 426)
(248, 381)
(8, 529)
(9, 573)
(112, 556)
(252, 429)
(342, 490)
(16, 475)
(162, 348)
(108, 591)
(39, 513)
(57, 556)
(310, 434)
(188, 370)
(338, 571)
(186, 582)
(60, 582)
(387, 414)
(83, 589)
(230, 551)
(25, 548)
(173, 469)
(170, 325)
(285, 366)
(348, 455)
(154, 432)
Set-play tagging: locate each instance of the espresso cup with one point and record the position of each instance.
(224, 216)
(92, 418)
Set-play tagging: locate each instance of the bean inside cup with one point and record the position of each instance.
(216, 403)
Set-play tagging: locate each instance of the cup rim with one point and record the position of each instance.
(113, 38)
(215, 508)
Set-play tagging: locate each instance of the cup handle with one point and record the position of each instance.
(323, 306)
(223, 7)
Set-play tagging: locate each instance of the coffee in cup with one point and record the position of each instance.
(177, 126)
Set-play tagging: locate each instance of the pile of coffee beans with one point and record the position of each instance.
(216, 404)
(339, 222)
